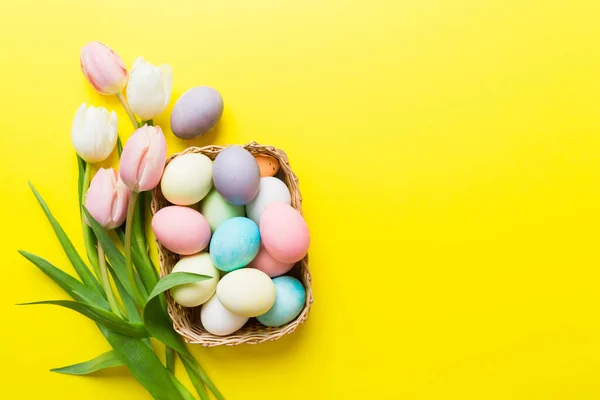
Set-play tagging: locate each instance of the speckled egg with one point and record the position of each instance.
(289, 301)
(187, 179)
(218, 320)
(236, 175)
(197, 293)
(268, 165)
(284, 233)
(196, 112)
(182, 230)
(267, 264)
(217, 210)
(247, 292)
(234, 244)
(271, 190)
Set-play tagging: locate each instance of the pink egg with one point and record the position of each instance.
(182, 230)
(284, 233)
(267, 264)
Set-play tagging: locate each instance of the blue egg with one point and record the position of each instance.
(234, 244)
(289, 301)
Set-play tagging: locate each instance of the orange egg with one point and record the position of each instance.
(268, 165)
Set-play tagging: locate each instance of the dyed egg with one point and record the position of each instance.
(216, 209)
(284, 233)
(197, 293)
(247, 292)
(196, 112)
(267, 264)
(187, 179)
(236, 175)
(268, 165)
(272, 190)
(218, 320)
(181, 229)
(234, 244)
(289, 301)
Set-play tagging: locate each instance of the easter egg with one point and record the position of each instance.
(218, 320)
(234, 244)
(289, 301)
(267, 264)
(216, 209)
(187, 179)
(247, 292)
(197, 293)
(284, 233)
(268, 165)
(181, 229)
(196, 112)
(236, 175)
(271, 190)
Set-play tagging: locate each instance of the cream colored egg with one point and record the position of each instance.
(247, 292)
(219, 321)
(187, 179)
(272, 190)
(195, 294)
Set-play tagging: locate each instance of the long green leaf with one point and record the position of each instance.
(182, 389)
(72, 286)
(103, 361)
(81, 171)
(82, 270)
(194, 378)
(100, 316)
(176, 279)
(133, 314)
(119, 146)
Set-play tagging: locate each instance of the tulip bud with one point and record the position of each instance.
(143, 158)
(94, 133)
(149, 88)
(107, 198)
(103, 68)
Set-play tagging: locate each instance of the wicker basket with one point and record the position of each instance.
(186, 321)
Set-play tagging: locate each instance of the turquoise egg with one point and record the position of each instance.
(289, 301)
(234, 244)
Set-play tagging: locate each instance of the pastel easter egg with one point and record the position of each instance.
(271, 190)
(218, 320)
(196, 112)
(197, 293)
(182, 230)
(234, 244)
(267, 264)
(284, 233)
(268, 165)
(187, 179)
(236, 175)
(289, 301)
(217, 210)
(247, 292)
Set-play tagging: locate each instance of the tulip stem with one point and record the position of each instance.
(88, 238)
(138, 297)
(130, 113)
(114, 306)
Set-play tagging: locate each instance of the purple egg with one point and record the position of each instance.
(196, 112)
(236, 175)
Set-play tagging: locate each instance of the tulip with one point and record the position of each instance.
(143, 158)
(107, 198)
(149, 88)
(103, 68)
(94, 133)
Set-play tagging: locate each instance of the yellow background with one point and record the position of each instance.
(448, 155)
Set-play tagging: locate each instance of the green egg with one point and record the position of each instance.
(217, 210)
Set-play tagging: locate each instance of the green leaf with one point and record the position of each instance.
(194, 378)
(132, 311)
(82, 270)
(100, 316)
(119, 146)
(81, 169)
(182, 389)
(105, 360)
(72, 286)
(176, 279)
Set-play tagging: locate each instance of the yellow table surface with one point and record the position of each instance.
(448, 155)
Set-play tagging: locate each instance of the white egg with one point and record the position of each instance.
(272, 190)
(219, 321)
(247, 292)
(187, 179)
(195, 294)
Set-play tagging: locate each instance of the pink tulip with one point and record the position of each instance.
(143, 158)
(103, 68)
(107, 198)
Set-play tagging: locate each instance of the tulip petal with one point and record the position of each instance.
(154, 161)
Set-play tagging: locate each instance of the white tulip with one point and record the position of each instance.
(94, 133)
(149, 88)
